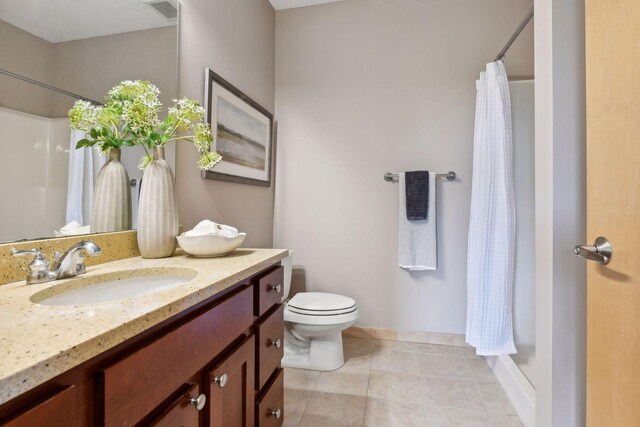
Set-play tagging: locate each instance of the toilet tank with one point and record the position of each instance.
(287, 263)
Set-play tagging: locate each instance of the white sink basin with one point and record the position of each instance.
(113, 287)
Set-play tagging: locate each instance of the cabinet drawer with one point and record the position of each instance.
(270, 407)
(270, 345)
(268, 290)
(58, 409)
(130, 388)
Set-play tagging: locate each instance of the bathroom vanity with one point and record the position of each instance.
(204, 354)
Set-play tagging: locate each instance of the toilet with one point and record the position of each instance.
(314, 322)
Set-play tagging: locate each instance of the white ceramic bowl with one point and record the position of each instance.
(210, 245)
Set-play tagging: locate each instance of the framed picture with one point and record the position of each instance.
(242, 132)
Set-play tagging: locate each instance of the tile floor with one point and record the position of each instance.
(394, 383)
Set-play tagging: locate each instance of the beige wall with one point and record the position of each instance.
(369, 86)
(236, 39)
(32, 57)
(106, 61)
(87, 67)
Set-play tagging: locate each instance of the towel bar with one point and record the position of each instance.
(450, 176)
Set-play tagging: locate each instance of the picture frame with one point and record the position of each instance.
(242, 134)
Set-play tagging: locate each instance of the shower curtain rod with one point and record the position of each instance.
(515, 35)
(47, 86)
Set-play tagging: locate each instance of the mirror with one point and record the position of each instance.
(52, 53)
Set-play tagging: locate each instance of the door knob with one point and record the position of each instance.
(276, 413)
(276, 343)
(198, 402)
(600, 251)
(221, 380)
(276, 288)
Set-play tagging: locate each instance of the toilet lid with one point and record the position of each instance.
(321, 304)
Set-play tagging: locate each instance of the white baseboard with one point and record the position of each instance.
(516, 385)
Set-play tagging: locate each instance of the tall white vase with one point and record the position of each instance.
(157, 209)
(111, 209)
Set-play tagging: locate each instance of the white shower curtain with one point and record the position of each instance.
(491, 247)
(84, 166)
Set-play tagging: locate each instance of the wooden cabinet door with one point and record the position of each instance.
(230, 391)
(183, 411)
(55, 410)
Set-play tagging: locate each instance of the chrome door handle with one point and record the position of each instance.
(600, 251)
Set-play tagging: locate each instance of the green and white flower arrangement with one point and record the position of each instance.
(130, 118)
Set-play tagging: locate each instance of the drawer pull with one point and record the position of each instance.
(275, 288)
(277, 413)
(221, 380)
(198, 402)
(275, 343)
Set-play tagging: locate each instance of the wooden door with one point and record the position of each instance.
(183, 411)
(613, 211)
(230, 388)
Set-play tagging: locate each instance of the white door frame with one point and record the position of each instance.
(560, 223)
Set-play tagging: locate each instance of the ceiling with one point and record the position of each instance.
(290, 4)
(65, 20)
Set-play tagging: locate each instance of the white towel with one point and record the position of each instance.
(207, 227)
(417, 240)
(491, 246)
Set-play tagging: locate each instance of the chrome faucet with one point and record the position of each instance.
(70, 264)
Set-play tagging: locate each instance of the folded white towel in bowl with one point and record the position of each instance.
(74, 228)
(208, 227)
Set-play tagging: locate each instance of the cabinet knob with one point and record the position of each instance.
(221, 380)
(198, 402)
(277, 413)
(277, 288)
(275, 343)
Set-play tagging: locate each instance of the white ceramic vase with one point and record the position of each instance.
(157, 209)
(111, 210)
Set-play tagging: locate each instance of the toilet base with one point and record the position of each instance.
(320, 353)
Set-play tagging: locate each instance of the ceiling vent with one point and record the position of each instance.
(167, 8)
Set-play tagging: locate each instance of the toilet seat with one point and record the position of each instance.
(327, 320)
(321, 304)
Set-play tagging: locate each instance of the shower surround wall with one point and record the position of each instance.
(364, 87)
(32, 140)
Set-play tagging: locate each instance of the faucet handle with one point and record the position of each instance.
(38, 268)
(38, 264)
(21, 252)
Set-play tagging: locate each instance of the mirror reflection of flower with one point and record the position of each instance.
(130, 118)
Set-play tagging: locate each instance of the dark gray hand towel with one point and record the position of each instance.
(417, 192)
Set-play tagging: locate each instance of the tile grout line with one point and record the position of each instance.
(306, 403)
(366, 398)
(475, 387)
(424, 403)
(366, 395)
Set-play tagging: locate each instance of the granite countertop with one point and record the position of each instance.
(39, 342)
